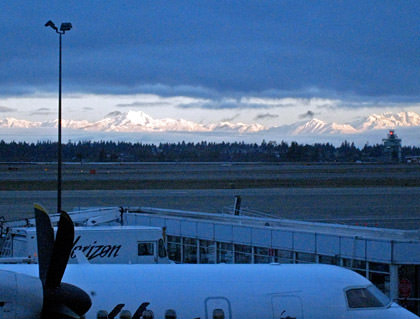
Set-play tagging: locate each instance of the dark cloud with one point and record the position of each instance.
(114, 113)
(307, 115)
(230, 103)
(215, 49)
(214, 104)
(43, 111)
(5, 109)
(230, 119)
(166, 90)
(266, 116)
(356, 102)
(144, 104)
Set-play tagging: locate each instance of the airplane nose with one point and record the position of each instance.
(400, 312)
(412, 316)
(409, 315)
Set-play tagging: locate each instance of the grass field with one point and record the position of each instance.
(205, 176)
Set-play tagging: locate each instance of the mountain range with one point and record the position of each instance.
(137, 125)
(386, 120)
(138, 121)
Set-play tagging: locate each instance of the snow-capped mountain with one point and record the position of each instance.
(239, 127)
(138, 121)
(389, 120)
(372, 122)
(15, 123)
(65, 123)
(316, 126)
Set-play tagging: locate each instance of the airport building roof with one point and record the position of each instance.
(355, 242)
(389, 246)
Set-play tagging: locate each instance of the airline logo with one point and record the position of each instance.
(95, 250)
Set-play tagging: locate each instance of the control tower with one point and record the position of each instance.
(392, 148)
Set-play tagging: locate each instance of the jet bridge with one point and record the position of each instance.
(388, 257)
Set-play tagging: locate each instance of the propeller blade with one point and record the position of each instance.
(114, 312)
(58, 302)
(140, 310)
(61, 251)
(61, 300)
(45, 241)
(62, 311)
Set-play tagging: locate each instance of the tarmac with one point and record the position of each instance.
(393, 205)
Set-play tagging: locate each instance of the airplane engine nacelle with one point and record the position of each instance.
(21, 296)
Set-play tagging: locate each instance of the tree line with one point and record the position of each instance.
(108, 151)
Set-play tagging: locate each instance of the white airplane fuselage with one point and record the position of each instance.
(241, 291)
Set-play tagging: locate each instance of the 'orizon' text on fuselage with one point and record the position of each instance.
(95, 251)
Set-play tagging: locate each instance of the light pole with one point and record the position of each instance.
(66, 26)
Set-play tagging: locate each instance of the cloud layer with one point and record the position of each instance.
(216, 51)
(5, 109)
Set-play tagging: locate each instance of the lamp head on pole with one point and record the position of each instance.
(65, 26)
(52, 25)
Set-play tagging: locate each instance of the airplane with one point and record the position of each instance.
(54, 290)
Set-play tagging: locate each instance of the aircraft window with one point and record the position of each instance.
(125, 314)
(102, 314)
(369, 297)
(162, 250)
(145, 249)
(170, 314)
(148, 314)
(218, 314)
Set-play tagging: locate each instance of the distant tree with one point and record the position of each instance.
(271, 151)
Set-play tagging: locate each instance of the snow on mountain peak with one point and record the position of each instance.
(138, 118)
(239, 127)
(390, 120)
(138, 121)
(15, 123)
(386, 120)
(316, 126)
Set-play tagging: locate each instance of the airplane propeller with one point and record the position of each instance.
(61, 300)
(140, 310)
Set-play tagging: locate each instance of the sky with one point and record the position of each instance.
(268, 62)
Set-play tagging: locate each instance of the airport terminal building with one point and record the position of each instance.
(389, 258)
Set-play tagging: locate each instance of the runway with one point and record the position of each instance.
(389, 207)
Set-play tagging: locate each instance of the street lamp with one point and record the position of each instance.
(66, 26)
